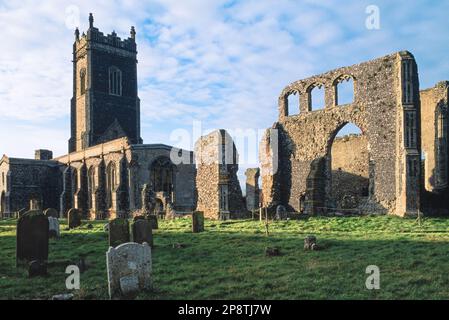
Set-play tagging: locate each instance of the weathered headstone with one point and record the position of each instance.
(118, 232)
(50, 212)
(281, 212)
(74, 218)
(53, 227)
(197, 222)
(32, 237)
(129, 269)
(142, 232)
(138, 217)
(153, 221)
(310, 243)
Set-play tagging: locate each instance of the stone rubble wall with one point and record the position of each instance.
(305, 139)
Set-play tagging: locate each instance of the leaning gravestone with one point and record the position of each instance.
(142, 232)
(50, 212)
(129, 269)
(197, 222)
(32, 238)
(281, 213)
(153, 221)
(118, 232)
(53, 227)
(74, 218)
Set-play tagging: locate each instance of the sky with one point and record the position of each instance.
(202, 64)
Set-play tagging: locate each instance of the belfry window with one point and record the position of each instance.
(83, 81)
(115, 81)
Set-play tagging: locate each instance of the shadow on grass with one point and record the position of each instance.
(231, 264)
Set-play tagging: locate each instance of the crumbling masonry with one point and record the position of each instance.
(295, 154)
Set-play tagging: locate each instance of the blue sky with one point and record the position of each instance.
(223, 63)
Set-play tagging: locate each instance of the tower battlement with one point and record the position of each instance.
(105, 104)
(95, 36)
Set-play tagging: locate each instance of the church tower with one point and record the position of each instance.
(105, 104)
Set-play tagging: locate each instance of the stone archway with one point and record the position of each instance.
(162, 176)
(348, 168)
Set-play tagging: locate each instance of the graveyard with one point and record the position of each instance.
(229, 261)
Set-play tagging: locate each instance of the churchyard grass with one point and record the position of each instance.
(228, 260)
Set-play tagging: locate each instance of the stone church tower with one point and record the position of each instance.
(105, 104)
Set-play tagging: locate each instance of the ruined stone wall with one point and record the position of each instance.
(218, 188)
(22, 180)
(378, 109)
(252, 188)
(433, 102)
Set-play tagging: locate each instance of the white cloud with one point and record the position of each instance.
(222, 62)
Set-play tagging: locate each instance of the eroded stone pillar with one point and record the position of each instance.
(252, 188)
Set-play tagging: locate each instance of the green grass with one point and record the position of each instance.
(228, 260)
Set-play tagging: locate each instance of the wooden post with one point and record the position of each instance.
(260, 214)
(266, 222)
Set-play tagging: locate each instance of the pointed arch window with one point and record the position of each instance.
(442, 147)
(110, 183)
(115, 81)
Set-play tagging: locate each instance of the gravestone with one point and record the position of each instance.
(197, 222)
(32, 237)
(129, 269)
(281, 213)
(142, 232)
(138, 217)
(153, 221)
(74, 218)
(50, 212)
(53, 227)
(118, 232)
(310, 243)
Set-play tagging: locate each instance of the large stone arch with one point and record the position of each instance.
(385, 107)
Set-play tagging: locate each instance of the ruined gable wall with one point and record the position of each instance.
(376, 111)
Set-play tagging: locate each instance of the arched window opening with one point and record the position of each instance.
(91, 186)
(442, 148)
(110, 183)
(162, 174)
(349, 168)
(316, 97)
(344, 90)
(115, 81)
(293, 104)
(83, 81)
